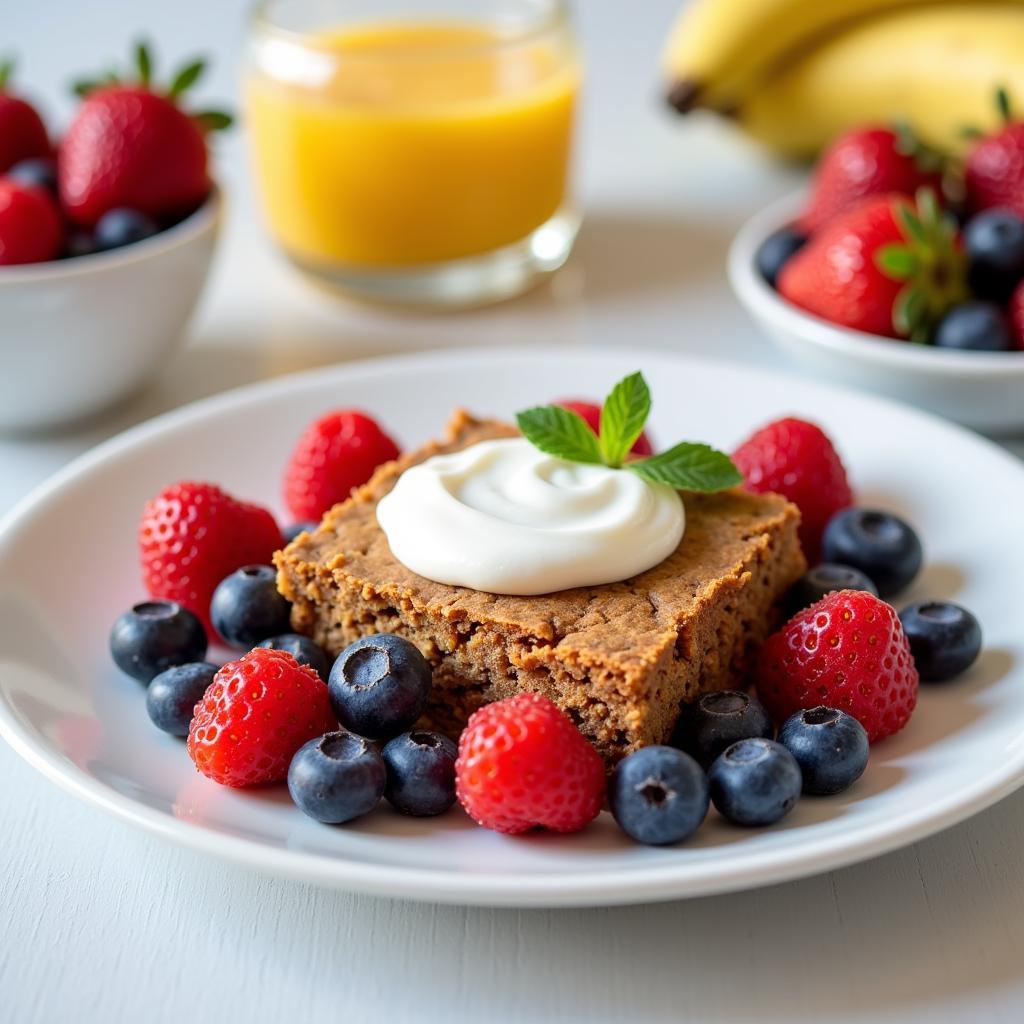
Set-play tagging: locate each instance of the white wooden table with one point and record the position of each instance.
(99, 922)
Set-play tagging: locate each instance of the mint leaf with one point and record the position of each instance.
(689, 467)
(561, 433)
(623, 416)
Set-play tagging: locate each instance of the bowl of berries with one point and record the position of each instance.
(878, 279)
(106, 237)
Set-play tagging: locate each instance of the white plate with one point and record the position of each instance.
(68, 567)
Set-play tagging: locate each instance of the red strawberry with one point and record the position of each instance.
(192, 535)
(1016, 312)
(591, 413)
(30, 227)
(849, 652)
(994, 168)
(335, 454)
(796, 459)
(884, 267)
(131, 146)
(867, 162)
(523, 764)
(255, 715)
(22, 132)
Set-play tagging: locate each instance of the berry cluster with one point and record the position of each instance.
(842, 673)
(880, 249)
(131, 163)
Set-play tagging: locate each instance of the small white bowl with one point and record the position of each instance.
(984, 390)
(77, 335)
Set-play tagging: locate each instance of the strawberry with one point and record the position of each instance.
(994, 167)
(335, 454)
(888, 266)
(1016, 313)
(591, 414)
(30, 226)
(255, 715)
(849, 652)
(132, 146)
(192, 535)
(867, 162)
(796, 459)
(22, 132)
(523, 764)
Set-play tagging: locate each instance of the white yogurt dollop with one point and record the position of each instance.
(503, 517)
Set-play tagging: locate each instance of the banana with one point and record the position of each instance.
(936, 68)
(720, 50)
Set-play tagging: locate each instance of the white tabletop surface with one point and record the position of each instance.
(99, 922)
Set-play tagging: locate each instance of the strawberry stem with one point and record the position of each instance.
(186, 77)
(6, 71)
(144, 62)
(1003, 104)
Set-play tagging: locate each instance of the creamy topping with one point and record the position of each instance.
(503, 517)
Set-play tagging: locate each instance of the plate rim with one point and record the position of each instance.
(599, 887)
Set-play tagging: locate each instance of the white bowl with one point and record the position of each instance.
(77, 335)
(984, 390)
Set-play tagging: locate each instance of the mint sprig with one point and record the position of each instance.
(565, 435)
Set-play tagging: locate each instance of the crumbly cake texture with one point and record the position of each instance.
(619, 658)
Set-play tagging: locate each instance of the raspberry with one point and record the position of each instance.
(591, 412)
(255, 715)
(848, 652)
(192, 535)
(335, 454)
(796, 459)
(522, 764)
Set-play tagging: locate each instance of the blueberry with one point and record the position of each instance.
(289, 533)
(830, 746)
(975, 327)
(303, 650)
(379, 686)
(755, 782)
(879, 544)
(823, 579)
(337, 777)
(421, 773)
(79, 243)
(155, 635)
(246, 607)
(122, 226)
(776, 251)
(945, 639)
(994, 243)
(173, 694)
(39, 171)
(718, 720)
(658, 795)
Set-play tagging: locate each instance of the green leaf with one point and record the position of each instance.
(215, 120)
(689, 467)
(144, 62)
(187, 77)
(896, 261)
(6, 70)
(84, 86)
(1003, 104)
(561, 433)
(969, 131)
(910, 222)
(623, 416)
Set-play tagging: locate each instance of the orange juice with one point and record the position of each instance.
(401, 144)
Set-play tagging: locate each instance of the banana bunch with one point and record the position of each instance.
(796, 73)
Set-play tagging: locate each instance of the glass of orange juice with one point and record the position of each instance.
(416, 152)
